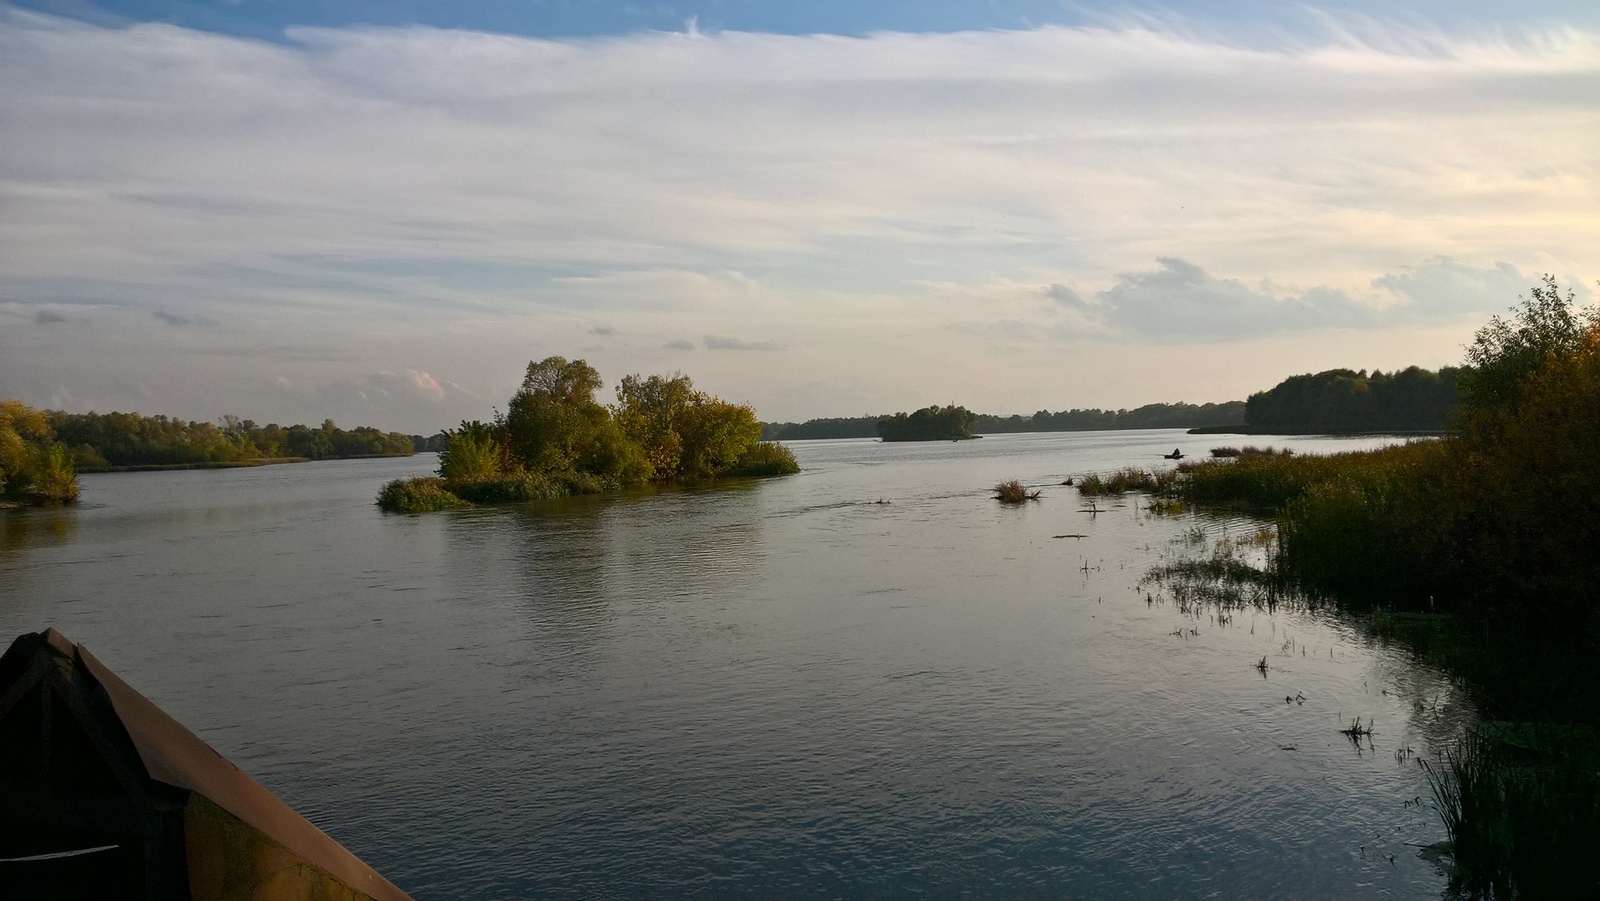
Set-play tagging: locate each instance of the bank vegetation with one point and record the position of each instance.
(1479, 550)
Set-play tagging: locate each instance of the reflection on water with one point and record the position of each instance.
(21, 529)
(757, 688)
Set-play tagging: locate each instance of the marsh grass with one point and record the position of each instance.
(1521, 805)
(1125, 480)
(1014, 492)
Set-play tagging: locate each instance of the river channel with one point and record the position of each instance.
(868, 679)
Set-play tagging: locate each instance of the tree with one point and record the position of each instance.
(34, 467)
(554, 422)
(1505, 352)
(681, 431)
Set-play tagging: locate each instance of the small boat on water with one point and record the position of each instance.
(1175, 455)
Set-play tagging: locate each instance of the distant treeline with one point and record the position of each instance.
(1343, 400)
(100, 441)
(1150, 416)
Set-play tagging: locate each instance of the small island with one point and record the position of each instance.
(555, 440)
(951, 423)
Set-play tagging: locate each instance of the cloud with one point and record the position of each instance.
(719, 342)
(1180, 301)
(178, 319)
(602, 330)
(1442, 287)
(49, 317)
(679, 345)
(1065, 296)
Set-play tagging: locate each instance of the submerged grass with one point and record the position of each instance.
(1125, 480)
(1014, 492)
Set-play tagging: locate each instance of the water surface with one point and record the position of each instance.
(781, 688)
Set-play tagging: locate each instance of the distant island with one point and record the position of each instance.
(1336, 401)
(951, 423)
(1150, 416)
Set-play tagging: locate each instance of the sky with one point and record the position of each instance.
(381, 212)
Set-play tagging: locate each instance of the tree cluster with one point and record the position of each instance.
(34, 467)
(1149, 416)
(99, 441)
(1345, 400)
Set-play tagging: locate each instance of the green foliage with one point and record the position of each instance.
(106, 440)
(471, 453)
(553, 423)
(683, 432)
(1344, 400)
(508, 488)
(766, 458)
(934, 423)
(34, 467)
(1504, 353)
(417, 495)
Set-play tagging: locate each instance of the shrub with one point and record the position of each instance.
(470, 455)
(768, 458)
(417, 495)
(508, 488)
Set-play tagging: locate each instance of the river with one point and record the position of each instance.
(868, 679)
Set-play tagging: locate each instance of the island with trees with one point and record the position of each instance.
(951, 423)
(555, 439)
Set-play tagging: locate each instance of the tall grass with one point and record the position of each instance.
(1125, 480)
(1522, 808)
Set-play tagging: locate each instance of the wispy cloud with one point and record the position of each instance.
(720, 342)
(179, 319)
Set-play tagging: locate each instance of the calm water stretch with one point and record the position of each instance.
(779, 688)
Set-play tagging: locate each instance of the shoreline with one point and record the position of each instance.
(231, 464)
